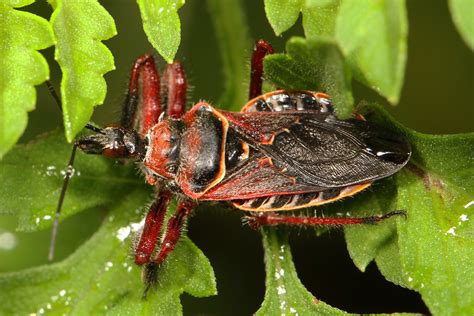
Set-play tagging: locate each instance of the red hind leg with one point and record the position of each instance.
(261, 49)
(269, 219)
(142, 100)
(174, 89)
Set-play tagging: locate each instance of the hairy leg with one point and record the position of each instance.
(269, 219)
(261, 49)
(169, 241)
(143, 97)
(151, 230)
(174, 89)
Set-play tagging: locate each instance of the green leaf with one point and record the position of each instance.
(233, 39)
(79, 27)
(315, 65)
(433, 249)
(378, 242)
(162, 25)
(99, 278)
(373, 35)
(22, 34)
(463, 17)
(285, 295)
(319, 18)
(282, 14)
(45, 160)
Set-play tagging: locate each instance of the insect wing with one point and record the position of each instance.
(257, 177)
(320, 150)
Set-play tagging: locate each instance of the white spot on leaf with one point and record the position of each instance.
(469, 204)
(281, 290)
(8, 241)
(123, 233)
(451, 231)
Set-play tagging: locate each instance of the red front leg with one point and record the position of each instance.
(261, 49)
(142, 106)
(174, 89)
(268, 219)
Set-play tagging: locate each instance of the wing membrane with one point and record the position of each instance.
(320, 150)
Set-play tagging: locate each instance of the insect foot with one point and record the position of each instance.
(378, 218)
(149, 277)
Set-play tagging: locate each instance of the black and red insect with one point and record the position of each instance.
(285, 150)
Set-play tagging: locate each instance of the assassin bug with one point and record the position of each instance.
(285, 150)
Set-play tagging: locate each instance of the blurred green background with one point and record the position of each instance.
(437, 98)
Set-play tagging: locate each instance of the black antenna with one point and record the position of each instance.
(67, 176)
(58, 102)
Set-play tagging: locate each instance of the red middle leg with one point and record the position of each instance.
(151, 230)
(174, 89)
(269, 219)
(173, 230)
(170, 239)
(261, 49)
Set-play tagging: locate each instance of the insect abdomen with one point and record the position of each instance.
(290, 202)
(282, 100)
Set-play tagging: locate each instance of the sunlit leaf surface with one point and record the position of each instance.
(162, 25)
(22, 34)
(79, 27)
(463, 16)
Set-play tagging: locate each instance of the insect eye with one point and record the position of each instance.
(171, 168)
